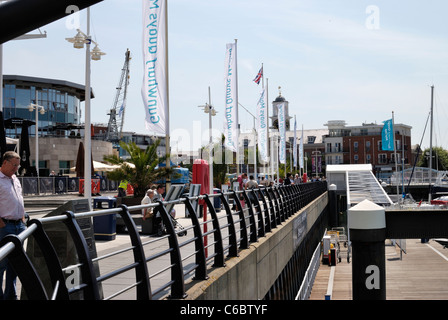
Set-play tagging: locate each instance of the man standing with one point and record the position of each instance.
(12, 217)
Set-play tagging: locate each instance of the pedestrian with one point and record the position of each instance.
(147, 212)
(251, 184)
(12, 217)
(122, 188)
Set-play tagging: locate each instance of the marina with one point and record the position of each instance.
(420, 274)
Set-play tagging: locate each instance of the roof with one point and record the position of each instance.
(75, 88)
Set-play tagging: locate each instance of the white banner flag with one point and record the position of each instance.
(231, 111)
(301, 151)
(282, 131)
(294, 148)
(154, 88)
(262, 127)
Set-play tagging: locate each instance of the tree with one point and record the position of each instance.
(142, 173)
(439, 161)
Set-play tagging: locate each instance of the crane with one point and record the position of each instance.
(116, 114)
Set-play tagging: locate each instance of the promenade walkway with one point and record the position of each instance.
(421, 274)
(121, 242)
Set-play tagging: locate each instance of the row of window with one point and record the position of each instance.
(337, 146)
(382, 159)
(59, 106)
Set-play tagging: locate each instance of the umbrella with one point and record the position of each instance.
(25, 150)
(99, 166)
(80, 161)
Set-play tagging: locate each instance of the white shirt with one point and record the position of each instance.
(146, 200)
(11, 199)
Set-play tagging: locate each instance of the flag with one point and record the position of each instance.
(387, 136)
(231, 101)
(259, 76)
(294, 148)
(155, 74)
(301, 151)
(282, 131)
(262, 127)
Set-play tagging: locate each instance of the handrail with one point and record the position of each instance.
(259, 211)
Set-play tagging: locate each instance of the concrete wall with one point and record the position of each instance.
(250, 276)
(53, 150)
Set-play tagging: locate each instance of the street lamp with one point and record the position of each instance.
(208, 108)
(78, 42)
(41, 110)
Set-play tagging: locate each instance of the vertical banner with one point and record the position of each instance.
(262, 127)
(294, 148)
(301, 151)
(282, 131)
(155, 88)
(231, 105)
(387, 136)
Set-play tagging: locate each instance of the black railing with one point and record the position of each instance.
(246, 216)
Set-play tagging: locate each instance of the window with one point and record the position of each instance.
(311, 139)
(382, 158)
(355, 146)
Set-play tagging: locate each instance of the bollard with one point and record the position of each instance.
(367, 230)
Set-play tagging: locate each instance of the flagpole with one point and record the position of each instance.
(267, 117)
(395, 153)
(167, 138)
(237, 118)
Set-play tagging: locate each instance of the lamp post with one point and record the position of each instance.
(208, 108)
(41, 110)
(255, 144)
(78, 42)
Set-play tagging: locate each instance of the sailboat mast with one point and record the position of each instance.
(430, 145)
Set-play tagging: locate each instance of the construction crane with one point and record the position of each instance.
(116, 115)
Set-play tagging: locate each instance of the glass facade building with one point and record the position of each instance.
(61, 101)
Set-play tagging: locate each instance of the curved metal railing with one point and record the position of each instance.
(174, 260)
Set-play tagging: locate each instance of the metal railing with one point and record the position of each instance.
(246, 216)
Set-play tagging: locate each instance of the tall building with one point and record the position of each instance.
(59, 121)
(363, 145)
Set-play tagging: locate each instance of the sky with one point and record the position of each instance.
(352, 60)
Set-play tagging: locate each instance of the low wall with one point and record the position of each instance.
(250, 275)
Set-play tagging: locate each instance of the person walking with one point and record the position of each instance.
(12, 217)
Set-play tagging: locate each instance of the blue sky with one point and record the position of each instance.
(351, 60)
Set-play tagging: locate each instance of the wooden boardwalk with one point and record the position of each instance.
(421, 274)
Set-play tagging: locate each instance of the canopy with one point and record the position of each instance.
(99, 166)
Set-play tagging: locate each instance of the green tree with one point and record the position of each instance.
(142, 173)
(439, 161)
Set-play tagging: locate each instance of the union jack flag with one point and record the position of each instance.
(258, 77)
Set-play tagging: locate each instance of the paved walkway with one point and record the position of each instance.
(421, 274)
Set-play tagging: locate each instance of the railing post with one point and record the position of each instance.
(274, 205)
(201, 270)
(261, 226)
(267, 217)
(141, 271)
(253, 226)
(177, 274)
(91, 292)
(24, 269)
(244, 243)
(219, 248)
(281, 205)
(233, 248)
